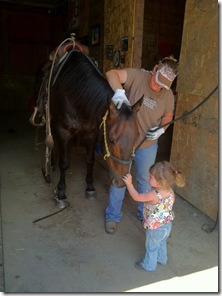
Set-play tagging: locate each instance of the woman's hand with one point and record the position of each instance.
(127, 179)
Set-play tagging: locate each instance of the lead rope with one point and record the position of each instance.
(181, 117)
(133, 156)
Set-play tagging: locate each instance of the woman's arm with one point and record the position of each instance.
(116, 78)
(165, 119)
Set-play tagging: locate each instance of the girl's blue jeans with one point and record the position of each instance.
(144, 158)
(156, 247)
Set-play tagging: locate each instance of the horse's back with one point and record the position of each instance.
(80, 89)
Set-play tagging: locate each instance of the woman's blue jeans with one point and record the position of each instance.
(156, 247)
(144, 158)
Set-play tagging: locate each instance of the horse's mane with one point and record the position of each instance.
(82, 85)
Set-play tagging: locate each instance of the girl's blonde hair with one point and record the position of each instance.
(166, 175)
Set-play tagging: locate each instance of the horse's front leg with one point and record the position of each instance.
(64, 163)
(90, 160)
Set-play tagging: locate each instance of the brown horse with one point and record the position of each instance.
(81, 108)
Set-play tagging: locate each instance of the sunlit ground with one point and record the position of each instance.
(202, 281)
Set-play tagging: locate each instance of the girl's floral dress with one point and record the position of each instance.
(160, 213)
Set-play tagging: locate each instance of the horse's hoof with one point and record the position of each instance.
(90, 194)
(61, 203)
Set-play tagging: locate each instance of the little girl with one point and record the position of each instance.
(157, 211)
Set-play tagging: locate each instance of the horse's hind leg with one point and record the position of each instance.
(63, 166)
(90, 160)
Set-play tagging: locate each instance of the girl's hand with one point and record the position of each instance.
(127, 179)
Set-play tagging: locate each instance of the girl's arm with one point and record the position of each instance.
(143, 197)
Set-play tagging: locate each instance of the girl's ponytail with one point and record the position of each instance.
(179, 179)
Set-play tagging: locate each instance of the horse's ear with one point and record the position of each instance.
(137, 105)
(112, 108)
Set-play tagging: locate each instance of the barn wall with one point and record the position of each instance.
(195, 139)
(123, 19)
(118, 23)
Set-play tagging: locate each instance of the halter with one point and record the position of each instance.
(108, 154)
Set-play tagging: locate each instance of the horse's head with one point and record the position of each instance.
(120, 135)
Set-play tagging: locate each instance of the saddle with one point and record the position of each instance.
(61, 58)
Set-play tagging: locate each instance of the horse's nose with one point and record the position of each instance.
(118, 183)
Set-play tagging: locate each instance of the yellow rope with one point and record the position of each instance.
(105, 139)
(133, 153)
(104, 133)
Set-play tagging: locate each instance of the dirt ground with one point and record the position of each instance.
(70, 251)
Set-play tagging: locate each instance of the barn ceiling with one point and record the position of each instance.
(34, 5)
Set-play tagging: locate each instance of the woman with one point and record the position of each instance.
(156, 110)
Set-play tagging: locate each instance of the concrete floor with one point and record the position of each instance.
(70, 251)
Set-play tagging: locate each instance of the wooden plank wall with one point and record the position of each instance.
(195, 139)
(118, 23)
